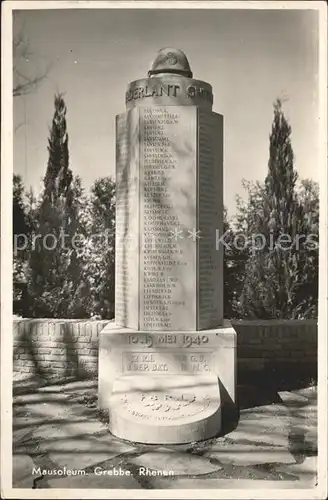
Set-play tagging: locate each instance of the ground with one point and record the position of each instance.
(58, 426)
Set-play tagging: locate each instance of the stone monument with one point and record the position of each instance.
(167, 364)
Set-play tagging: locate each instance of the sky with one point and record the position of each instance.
(250, 57)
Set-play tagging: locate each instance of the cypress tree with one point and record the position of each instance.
(272, 273)
(58, 175)
(50, 280)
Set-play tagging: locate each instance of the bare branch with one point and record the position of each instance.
(17, 127)
(24, 84)
(28, 84)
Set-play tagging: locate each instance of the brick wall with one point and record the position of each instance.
(276, 349)
(70, 347)
(56, 347)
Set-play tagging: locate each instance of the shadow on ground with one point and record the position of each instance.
(261, 388)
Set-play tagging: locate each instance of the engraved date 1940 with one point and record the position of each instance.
(189, 340)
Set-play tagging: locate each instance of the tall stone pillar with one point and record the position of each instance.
(168, 357)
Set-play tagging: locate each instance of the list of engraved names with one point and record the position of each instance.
(126, 220)
(163, 256)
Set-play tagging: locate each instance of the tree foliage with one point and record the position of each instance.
(19, 217)
(97, 253)
(70, 268)
(20, 232)
(50, 284)
(279, 232)
(233, 269)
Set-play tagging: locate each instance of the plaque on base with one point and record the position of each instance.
(123, 351)
(165, 409)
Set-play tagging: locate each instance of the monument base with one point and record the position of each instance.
(154, 368)
(165, 409)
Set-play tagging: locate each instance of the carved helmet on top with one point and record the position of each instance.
(170, 60)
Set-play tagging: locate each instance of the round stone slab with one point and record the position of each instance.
(165, 409)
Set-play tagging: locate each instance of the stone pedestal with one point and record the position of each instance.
(163, 363)
(169, 329)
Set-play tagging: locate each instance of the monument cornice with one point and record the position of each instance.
(169, 90)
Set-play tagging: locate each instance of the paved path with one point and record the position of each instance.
(59, 441)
